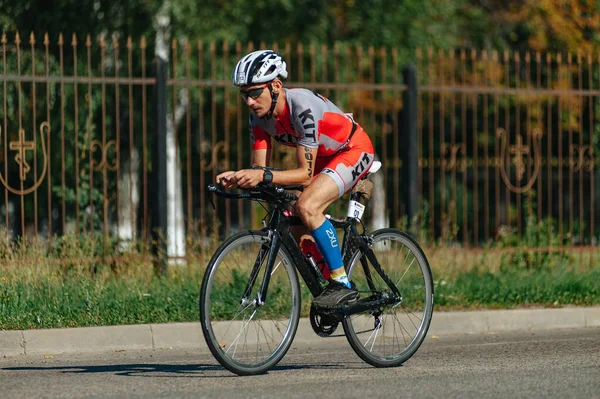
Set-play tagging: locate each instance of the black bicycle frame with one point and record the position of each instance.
(367, 252)
(279, 226)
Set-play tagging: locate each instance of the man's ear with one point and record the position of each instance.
(277, 86)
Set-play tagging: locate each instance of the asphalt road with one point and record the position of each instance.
(548, 364)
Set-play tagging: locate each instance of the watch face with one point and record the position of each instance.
(267, 177)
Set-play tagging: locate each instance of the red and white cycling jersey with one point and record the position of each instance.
(345, 152)
(308, 119)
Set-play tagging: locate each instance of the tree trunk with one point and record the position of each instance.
(175, 219)
(129, 200)
(377, 204)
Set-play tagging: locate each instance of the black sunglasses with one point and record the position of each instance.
(253, 93)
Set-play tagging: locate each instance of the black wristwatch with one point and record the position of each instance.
(267, 177)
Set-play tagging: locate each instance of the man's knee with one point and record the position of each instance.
(305, 209)
(309, 210)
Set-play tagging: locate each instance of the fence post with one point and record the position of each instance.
(409, 144)
(159, 169)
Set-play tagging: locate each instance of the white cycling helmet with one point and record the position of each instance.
(260, 66)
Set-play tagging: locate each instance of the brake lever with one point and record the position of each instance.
(211, 189)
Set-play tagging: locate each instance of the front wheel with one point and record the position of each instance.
(245, 335)
(390, 335)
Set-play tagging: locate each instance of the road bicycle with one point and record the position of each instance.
(250, 299)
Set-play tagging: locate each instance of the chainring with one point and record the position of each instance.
(323, 324)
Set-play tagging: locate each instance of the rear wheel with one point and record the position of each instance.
(245, 336)
(390, 335)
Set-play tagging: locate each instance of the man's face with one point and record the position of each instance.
(258, 98)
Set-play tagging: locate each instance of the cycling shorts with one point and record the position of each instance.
(348, 165)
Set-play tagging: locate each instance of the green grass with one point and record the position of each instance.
(514, 288)
(86, 301)
(74, 286)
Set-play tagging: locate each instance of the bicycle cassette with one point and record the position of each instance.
(323, 324)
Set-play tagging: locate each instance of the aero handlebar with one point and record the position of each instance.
(268, 193)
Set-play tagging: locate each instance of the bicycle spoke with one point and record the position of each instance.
(408, 314)
(242, 330)
(257, 340)
(375, 330)
(234, 318)
(275, 267)
(375, 338)
(396, 339)
(404, 329)
(266, 334)
(406, 271)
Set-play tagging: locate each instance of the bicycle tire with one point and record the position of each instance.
(378, 345)
(248, 339)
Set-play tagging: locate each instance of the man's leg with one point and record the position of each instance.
(311, 206)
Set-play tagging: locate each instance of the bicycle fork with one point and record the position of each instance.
(269, 250)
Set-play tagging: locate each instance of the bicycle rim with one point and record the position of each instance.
(395, 335)
(248, 338)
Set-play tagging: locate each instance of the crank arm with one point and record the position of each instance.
(366, 304)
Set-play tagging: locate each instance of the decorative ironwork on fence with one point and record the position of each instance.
(505, 141)
(516, 134)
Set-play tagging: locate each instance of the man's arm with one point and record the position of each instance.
(303, 174)
(261, 157)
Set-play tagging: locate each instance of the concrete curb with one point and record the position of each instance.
(189, 335)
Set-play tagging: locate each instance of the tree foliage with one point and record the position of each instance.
(128, 17)
(405, 24)
(540, 25)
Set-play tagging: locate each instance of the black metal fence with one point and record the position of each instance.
(99, 137)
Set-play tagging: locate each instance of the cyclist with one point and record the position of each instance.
(333, 153)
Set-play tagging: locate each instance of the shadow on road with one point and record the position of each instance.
(171, 370)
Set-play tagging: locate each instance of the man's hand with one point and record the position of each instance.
(245, 178)
(227, 179)
(248, 178)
